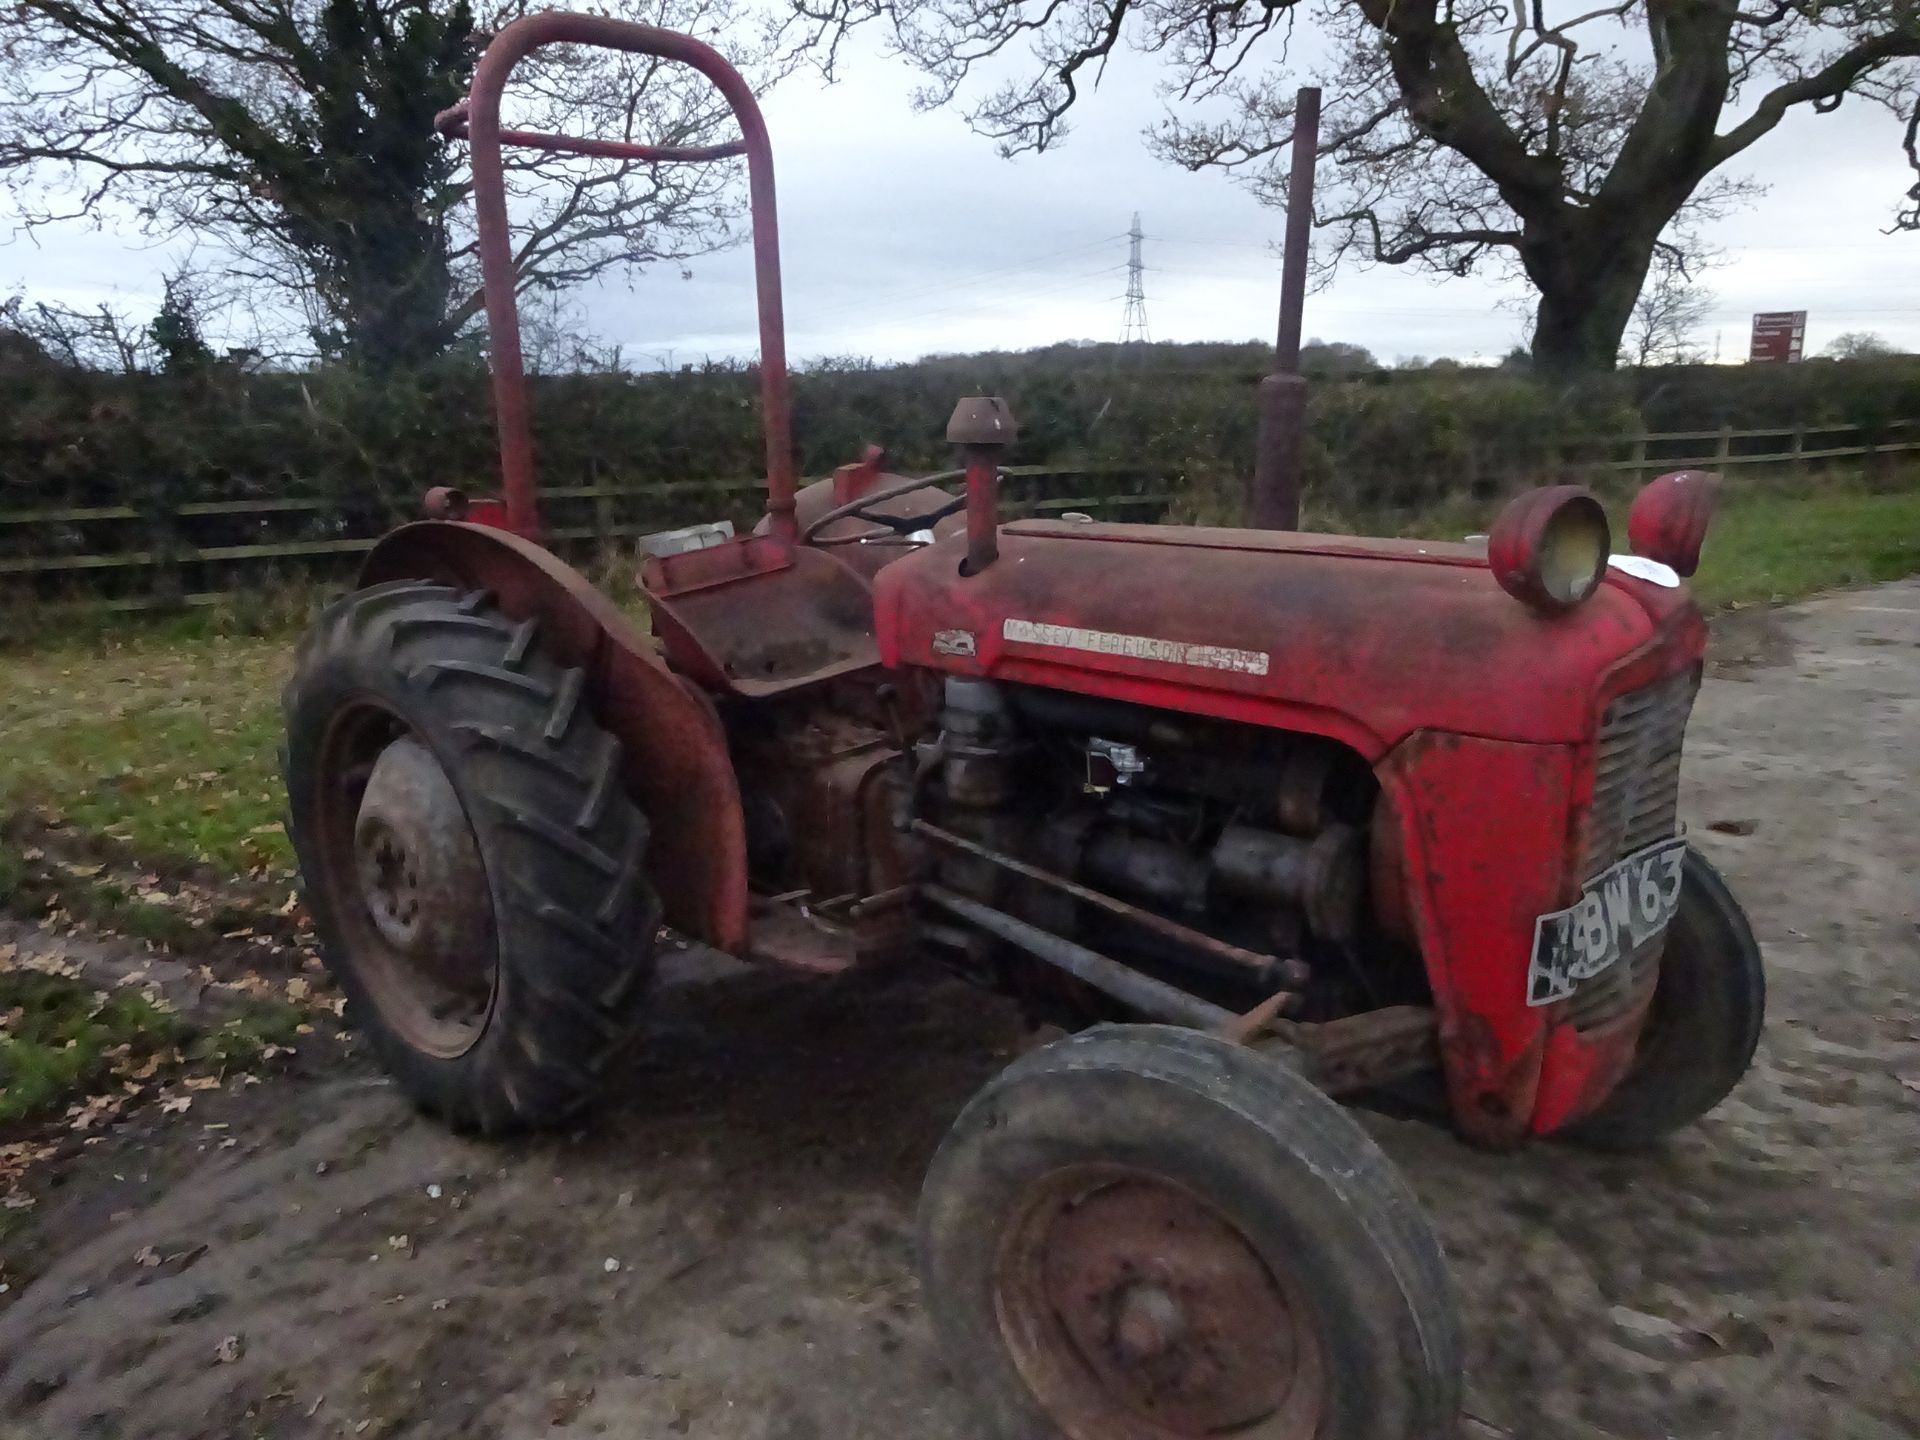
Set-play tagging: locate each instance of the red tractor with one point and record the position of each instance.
(1263, 817)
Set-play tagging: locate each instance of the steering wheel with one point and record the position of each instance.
(896, 526)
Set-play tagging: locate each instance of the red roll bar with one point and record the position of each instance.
(477, 119)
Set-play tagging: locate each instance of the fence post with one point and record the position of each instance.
(603, 512)
(166, 585)
(1637, 457)
(1723, 447)
(1797, 463)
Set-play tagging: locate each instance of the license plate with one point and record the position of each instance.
(1619, 910)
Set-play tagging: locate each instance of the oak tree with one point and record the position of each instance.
(1569, 139)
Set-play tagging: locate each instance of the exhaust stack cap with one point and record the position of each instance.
(982, 420)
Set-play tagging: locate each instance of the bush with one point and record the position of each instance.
(354, 454)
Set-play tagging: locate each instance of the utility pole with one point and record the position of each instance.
(1134, 325)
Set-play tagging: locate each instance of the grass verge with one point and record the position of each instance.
(165, 743)
(1772, 548)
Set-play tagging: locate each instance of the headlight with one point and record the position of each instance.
(1549, 547)
(1669, 519)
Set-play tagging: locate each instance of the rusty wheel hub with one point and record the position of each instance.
(1136, 1311)
(423, 891)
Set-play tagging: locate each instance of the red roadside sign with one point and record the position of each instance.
(1778, 336)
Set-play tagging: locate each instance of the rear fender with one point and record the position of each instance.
(676, 761)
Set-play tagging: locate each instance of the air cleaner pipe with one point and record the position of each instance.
(982, 426)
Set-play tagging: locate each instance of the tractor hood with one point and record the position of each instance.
(1365, 640)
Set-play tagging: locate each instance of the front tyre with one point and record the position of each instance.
(1702, 1026)
(470, 858)
(1146, 1233)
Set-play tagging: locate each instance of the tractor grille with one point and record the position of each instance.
(1636, 803)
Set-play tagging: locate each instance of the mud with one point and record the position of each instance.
(727, 1252)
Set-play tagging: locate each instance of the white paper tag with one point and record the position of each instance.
(1641, 568)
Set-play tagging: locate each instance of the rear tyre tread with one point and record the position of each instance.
(563, 842)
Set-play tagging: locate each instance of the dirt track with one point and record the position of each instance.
(1759, 1279)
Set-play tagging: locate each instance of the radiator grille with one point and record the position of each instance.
(1636, 803)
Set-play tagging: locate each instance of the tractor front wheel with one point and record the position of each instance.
(470, 858)
(1146, 1233)
(1702, 1026)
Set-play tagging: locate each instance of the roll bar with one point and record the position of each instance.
(477, 119)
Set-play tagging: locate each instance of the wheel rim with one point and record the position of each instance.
(1135, 1310)
(407, 886)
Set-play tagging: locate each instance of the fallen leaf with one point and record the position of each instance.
(230, 1349)
(146, 1255)
(175, 1104)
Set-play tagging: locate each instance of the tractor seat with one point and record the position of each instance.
(755, 616)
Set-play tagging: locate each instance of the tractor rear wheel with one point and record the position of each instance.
(1146, 1233)
(470, 858)
(1702, 1027)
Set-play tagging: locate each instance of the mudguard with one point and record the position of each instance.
(677, 766)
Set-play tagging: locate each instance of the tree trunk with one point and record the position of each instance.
(1587, 286)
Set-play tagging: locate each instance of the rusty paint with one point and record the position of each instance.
(1361, 1052)
(677, 765)
(480, 117)
(982, 426)
(1478, 871)
(757, 617)
(1245, 1026)
(1451, 652)
(1669, 518)
(392, 845)
(424, 887)
(853, 480)
(1282, 399)
(1517, 544)
(1130, 1305)
(1279, 424)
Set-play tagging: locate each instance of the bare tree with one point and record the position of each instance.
(297, 134)
(100, 338)
(1860, 345)
(1570, 143)
(1671, 307)
(113, 338)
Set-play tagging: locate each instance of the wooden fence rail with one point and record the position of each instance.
(159, 555)
(131, 557)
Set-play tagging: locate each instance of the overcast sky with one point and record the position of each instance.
(905, 234)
